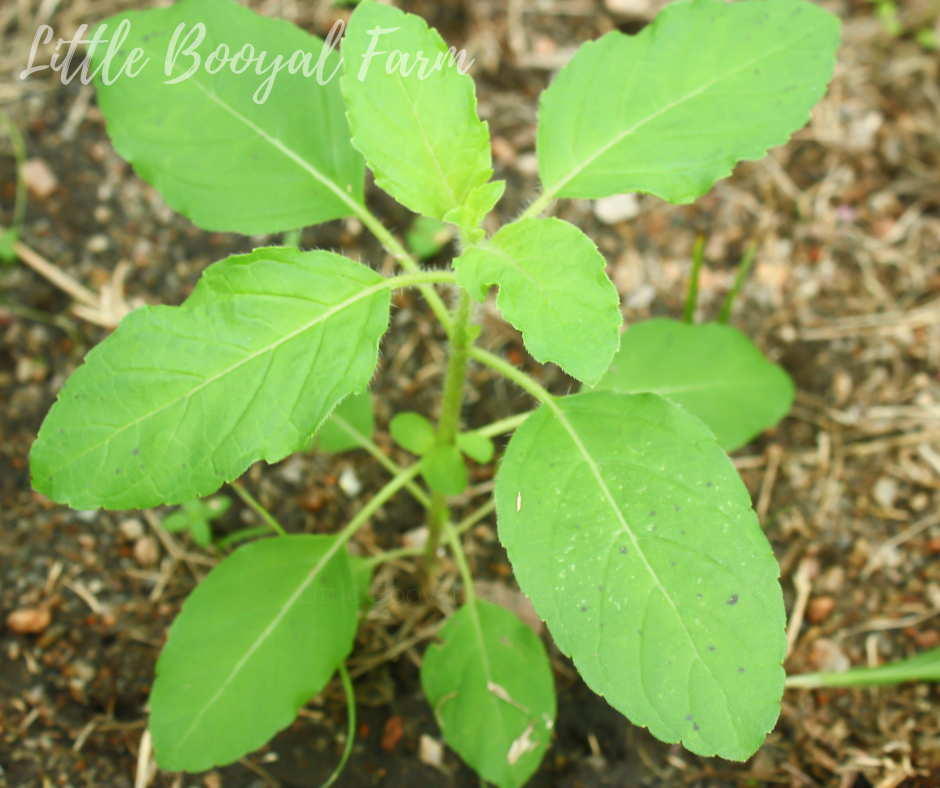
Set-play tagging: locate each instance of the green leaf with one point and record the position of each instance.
(216, 506)
(201, 532)
(256, 640)
(177, 522)
(481, 201)
(194, 516)
(179, 400)
(214, 154)
(444, 470)
(553, 288)
(490, 684)
(355, 411)
(673, 109)
(426, 237)
(476, 446)
(421, 137)
(413, 432)
(922, 667)
(714, 371)
(633, 535)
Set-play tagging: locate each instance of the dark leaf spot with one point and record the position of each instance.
(653, 513)
(695, 726)
(708, 484)
(698, 596)
(740, 670)
(117, 470)
(711, 648)
(584, 608)
(677, 507)
(688, 717)
(623, 549)
(135, 452)
(600, 588)
(733, 600)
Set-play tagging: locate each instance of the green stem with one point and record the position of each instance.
(405, 260)
(241, 535)
(503, 426)
(448, 423)
(464, 525)
(387, 462)
(420, 278)
(351, 725)
(746, 262)
(19, 152)
(691, 298)
(517, 376)
(538, 206)
(462, 565)
(401, 480)
(258, 509)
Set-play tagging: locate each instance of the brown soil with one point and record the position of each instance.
(845, 294)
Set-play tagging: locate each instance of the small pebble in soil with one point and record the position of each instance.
(131, 529)
(349, 483)
(40, 180)
(29, 620)
(616, 209)
(146, 552)
(819, 609)
(431, 752)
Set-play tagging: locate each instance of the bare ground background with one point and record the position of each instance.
(845, 294)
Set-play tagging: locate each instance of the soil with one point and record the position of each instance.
(845, 294)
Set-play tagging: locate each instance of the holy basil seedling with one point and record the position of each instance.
(196, 517)
(623, 517)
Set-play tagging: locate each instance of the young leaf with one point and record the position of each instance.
(354, 411)
(413, 432)
(481, 201)
(426, 237)
(714, 371)
(256, 640)
(491, 687)
(633, 535)
(194, 516)
(214, 154)
(553, 288)
(673, 109)
(412, 113)
(444, 470)
(476, 446)
(246, 369)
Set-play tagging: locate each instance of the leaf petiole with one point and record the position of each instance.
(257, 508)
(382, 458)
(743, 270)
(503, 426)
(698, 255)
(351, 727)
